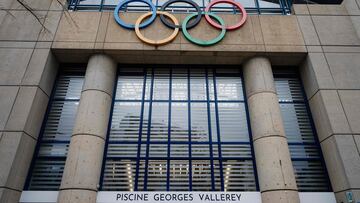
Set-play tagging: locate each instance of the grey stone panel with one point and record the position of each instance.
(335, 30)
(21, 25)
(323, 9)
(350, 100)
(50, 26)
(16, 151)
(328, 114)
(41, 71)
(341, 196)
(315, 74)
(28, 111)
(300, 9)
(7, 99)
(345, 69)
(343, 162)
(9, 196)
(308, 30)
(78, 27)
(33, 4)
(13, 65)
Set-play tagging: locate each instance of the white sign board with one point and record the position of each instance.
(176, 197)
(164, 197)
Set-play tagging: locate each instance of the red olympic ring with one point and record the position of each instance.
(232, 27)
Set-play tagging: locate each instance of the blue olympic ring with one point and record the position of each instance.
(132, 26)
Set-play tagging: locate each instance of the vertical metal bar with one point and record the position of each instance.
(101, 5)
(210, 134)
(169, 134)
(149, 130)
(140, 132)
(218, 131)
(257, 4)
(76, 4)
(108, 132)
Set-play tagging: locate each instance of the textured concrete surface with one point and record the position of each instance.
(273, 162)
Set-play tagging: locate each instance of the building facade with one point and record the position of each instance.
(91, 112)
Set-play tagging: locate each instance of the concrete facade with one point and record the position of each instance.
(323, 41)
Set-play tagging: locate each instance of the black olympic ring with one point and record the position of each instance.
(189, 25)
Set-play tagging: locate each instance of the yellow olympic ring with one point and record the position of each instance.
(156, 42)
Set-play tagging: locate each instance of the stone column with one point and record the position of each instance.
(84, 160)
(273, 162)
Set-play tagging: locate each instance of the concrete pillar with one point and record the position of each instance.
(274, 167)
(84, 160)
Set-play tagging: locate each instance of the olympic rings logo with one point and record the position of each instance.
(185, 25)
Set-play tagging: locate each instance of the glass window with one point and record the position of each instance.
(180, 130)
(251, 6)
(49, 160)
(309, 168)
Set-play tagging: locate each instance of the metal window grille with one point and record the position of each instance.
(49, 160)
(251, 6)
(309, 168)
(179, 129)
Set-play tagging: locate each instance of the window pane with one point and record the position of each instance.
(179, 175)
(199, 122)
(69, 87)
(125, 121)
(161, 84)
(47, 174)
(197, 84)
(233, 124)
(239, 175)
(111, 2)
(179, 151)
(179, 84)
(288, 89)
(130, 87)
(159, 121)
(179, 122)
(296, 122)
(89, 2)
(236, 150)
(311, 176)
(269, 3)
(201, 175)
(158, 150)
(119, 175)
(122, 150)
(229, 88)
(60, 121)
(157, 171)
(247, 3)
(200, 150)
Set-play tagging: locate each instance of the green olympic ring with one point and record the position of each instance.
(204, 42)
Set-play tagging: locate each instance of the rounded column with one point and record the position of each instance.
(273, 161)
(84, 160)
